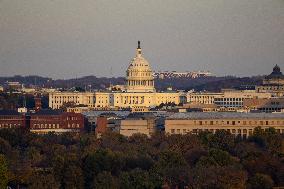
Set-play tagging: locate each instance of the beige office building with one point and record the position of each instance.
(146, 126)
(241, 124)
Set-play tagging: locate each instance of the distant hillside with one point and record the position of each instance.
(26, 80)
(207, 83)
(93, 82)
(83, 82)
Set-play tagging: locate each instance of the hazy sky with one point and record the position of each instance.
(69, 38)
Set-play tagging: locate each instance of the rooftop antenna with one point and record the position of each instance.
(35, 81)
(25, 102)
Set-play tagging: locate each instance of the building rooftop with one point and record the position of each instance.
(140, 115)
(98, 113)
(276, 74)
(9, 112)
(47, 112)
(223, 115)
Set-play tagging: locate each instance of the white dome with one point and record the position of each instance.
(139, 63)
(139, 74)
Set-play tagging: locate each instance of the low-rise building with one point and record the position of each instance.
(45, 121)
(235, 98)
(138, 123)
(78, 109)
(12, 119)
(14, 85)
(241, 124)
(265, 105)
(28, 90)
(58, 99)
(202, 97)
(107, 122)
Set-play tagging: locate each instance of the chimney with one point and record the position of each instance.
(37, 104)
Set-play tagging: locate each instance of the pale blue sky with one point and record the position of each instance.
(69, 38)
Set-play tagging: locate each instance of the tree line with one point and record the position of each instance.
(205, 160)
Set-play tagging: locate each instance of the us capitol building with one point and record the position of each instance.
(138, 93)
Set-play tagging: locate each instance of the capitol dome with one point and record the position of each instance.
(139, 74)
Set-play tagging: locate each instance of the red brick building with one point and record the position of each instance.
(45, 121)
(101, 127)
(12, 119)
(106, 122)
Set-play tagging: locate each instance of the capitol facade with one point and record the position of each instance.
(138, 93)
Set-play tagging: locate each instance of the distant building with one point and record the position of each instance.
(45, 121)
(14, 85)
(78, 109)
(22, 110)
(92, 116)
(12, 119)
(227, 100)
(58, 99)
(145, 124)
(107, 122)
(203, 97)
(174, 74)
(265, 105)
(238, 124)
(47, 90)
(139, 91)
(275, 78)
(235, 98)
(273, 83)
(28, 90)
(38, 104)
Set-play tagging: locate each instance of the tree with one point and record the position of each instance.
(99, 161)
(72, 176)
(260, 181)
(221, 140)
(136, 178)
(268, 139)
(42, 180)
(105, 180)
(172, 168)
(5, 147)
(219, 177)
(216, 157)
(3, 172)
